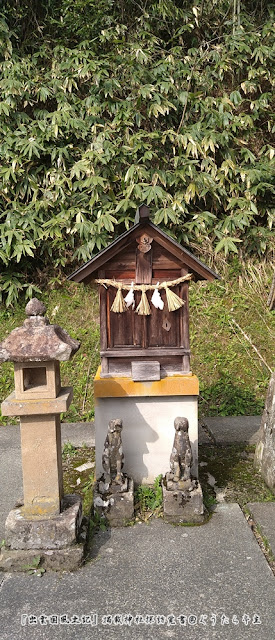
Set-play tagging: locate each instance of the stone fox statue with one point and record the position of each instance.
(181, 456)
(113, 458)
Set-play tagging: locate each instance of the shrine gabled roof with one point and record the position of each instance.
(88, 271)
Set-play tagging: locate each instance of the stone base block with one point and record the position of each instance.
(183, 506)
(57, 543)
(116, 506)
(67, 559)
(57, 532)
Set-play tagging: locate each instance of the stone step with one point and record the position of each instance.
(263, 513)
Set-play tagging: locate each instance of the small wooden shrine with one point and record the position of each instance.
(144, 318)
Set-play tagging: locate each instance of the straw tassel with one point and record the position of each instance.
(119, 305)
(174, 302)
(143, 309)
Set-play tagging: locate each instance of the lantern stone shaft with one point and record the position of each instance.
(36, 349)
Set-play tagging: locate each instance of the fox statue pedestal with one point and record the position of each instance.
(182, 494)
(114, 491)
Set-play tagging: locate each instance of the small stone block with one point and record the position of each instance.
(67, 559)
(117, 507)
(57, 532)
(183, 506)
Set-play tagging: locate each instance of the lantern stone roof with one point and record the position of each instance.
(37, 340)
(89, 270)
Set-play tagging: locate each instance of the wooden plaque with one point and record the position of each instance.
(147, 370)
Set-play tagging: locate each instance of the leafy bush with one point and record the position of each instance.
(149, 498)
(106, 105)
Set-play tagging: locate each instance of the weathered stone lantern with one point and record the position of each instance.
(46, 519)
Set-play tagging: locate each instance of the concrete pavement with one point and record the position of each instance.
(229, 429)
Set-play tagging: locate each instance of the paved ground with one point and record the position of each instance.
(204, 582)
(224, 430)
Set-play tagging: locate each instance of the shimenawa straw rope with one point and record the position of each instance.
(121, 304)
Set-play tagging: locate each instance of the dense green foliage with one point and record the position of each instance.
(106, 105)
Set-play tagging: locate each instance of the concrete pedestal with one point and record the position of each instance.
(55, 541)
(148, 410)
(183, 505)
(116, 505)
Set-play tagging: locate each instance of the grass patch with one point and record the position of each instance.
(233, 379)
(79, 481)
(34, 568)
(232, 467)
(148, 500)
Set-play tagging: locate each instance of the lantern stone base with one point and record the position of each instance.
(68, 559)
(54, 541)
(115, 505)
(183, 505)
(148, 411)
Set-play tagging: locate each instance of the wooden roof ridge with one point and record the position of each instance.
(97, 261)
